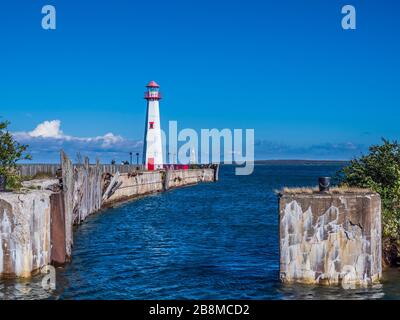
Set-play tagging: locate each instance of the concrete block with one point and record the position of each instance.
(330, 238)
(24, 233)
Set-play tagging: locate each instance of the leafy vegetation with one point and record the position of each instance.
(10, 153)
(379, 171)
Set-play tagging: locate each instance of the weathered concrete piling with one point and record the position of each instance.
(330, 238)
(36, 224)
(24, 232)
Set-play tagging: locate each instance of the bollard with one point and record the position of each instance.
(324, 184)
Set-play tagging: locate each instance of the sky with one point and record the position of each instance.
(286, 69)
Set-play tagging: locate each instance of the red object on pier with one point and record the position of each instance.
(150, 164)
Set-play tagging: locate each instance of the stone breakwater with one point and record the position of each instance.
(36, 224)
(330, 238)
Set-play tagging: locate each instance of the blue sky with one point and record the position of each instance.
(285, 68)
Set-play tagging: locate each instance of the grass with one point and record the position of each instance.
(38, 176)
(312, 190)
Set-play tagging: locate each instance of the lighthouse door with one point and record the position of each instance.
(150, 164)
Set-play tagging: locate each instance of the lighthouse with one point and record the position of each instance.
(152, 152)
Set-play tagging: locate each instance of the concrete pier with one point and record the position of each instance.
(36, 224)
(330, 238)
(145, 182)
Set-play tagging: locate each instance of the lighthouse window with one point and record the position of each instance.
(151, 125)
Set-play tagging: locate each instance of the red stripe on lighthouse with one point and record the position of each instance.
(150, 164)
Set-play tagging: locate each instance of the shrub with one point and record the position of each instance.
(10, 152)
(379, 171)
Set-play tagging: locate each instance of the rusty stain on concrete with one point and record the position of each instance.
(330, 238)
(24, 232)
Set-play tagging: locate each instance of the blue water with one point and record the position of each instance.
(210, 241)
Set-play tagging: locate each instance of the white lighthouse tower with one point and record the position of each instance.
(152, 152)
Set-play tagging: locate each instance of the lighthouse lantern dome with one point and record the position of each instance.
(152, 92)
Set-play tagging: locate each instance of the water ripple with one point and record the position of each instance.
(210, 241)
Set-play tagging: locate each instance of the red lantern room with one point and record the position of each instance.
(153, 91)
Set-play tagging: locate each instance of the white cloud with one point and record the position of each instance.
(48, 129)
(47, 139)
(108, 139)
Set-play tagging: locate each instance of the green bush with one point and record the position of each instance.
(379, 171)
(10, 152)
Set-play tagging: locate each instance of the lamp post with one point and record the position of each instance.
(130, 154)
(137, 158)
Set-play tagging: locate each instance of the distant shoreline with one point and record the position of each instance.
(287, 161)
(300, 161)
